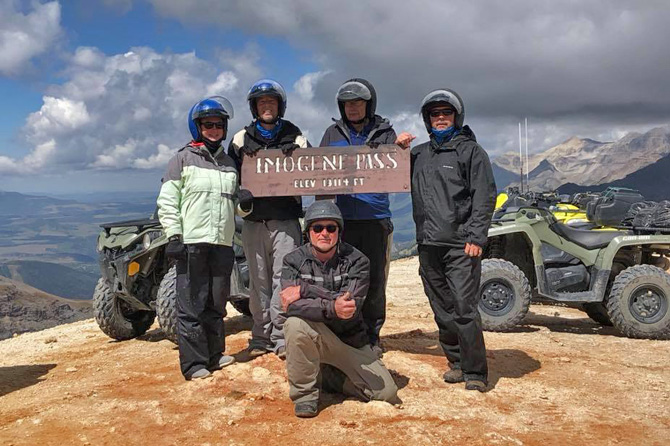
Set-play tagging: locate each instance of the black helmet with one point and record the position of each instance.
(267, 87)
(357, 88)
(323, 210)
(443, 96)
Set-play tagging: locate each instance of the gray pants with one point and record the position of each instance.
(309, 345)
(265, 245)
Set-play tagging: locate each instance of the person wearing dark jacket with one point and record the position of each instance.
(453, 197)
(324, 286)
(367, 217)
(272, 229)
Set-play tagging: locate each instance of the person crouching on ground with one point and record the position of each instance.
(200, 178)
(453, 195)
(324, 284)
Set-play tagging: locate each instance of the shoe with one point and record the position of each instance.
(281, 353)
(200, 374)
(309, 409)
(254, 351)
(453, 376)
(224, 361)
(475, 384)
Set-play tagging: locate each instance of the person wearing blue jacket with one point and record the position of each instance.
(367, 217)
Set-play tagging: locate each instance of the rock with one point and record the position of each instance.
(348, 424)
(565, 359)
(51, 340)
(70, 370)
(260, 373)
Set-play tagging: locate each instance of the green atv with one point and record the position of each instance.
(617, 277)
(138, 281)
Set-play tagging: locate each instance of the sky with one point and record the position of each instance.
(95, 93)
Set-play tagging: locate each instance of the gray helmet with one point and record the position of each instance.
(323, 210)
(357, 88)
(443, 96)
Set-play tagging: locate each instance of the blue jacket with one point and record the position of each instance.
(361, 206)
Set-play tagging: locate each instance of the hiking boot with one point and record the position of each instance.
(309, 409)
(475, 384)
(224, 361)
(281, 353)
(254, 351)
(453, 376)
(200, 374)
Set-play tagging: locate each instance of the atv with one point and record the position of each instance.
(617, 277)
(138, 281)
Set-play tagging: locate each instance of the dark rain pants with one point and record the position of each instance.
(203, 287)
(374, 239)
(451, 282)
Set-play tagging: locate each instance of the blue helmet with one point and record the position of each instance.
(265, 87)
(211, 106)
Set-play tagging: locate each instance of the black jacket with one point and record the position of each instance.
(453, 191)
(320, 284)
(247, 142)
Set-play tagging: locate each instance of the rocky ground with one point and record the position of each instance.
(558, 379)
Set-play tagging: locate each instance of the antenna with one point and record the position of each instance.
(527, 165)
(520, 159)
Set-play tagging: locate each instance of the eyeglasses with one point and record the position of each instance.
(436, 113)
(317, 229)
(211, 125)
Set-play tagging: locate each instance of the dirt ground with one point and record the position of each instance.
(558, 379)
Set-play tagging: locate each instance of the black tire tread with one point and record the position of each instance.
(110, 319)
(517, 275)
(166, 304)
(616, 299)
(597, 311)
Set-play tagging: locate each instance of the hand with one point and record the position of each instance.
(373, 145)
(473, 250)
(405, 139)
(289, 295)
(288, 150)
(246, 199)
(175, 248)
(345, 306)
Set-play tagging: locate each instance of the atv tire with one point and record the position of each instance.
(639, 303)
(115, 317)
(505, 295)
(597, 311)
(166, 304)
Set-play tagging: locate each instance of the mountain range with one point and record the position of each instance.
(586, 162)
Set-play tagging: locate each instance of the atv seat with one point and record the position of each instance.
(584, 238)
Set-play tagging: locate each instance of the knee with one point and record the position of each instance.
(295, 327)
(388, 394)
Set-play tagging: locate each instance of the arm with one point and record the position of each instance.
(483, 194)
(318, 309)
(169, 199)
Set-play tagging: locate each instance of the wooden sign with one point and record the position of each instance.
(327, 171)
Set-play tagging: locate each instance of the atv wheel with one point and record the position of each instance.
(166, 304)
(505, 295)
(598, 312)
(638, 304)
(115, 317)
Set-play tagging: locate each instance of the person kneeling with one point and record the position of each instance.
(324, 284)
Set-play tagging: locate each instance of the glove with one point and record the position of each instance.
(289, 148)
(373, 145)
(246, 199)
(175, 248)
(248, 151)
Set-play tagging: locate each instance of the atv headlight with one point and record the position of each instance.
(146, 241)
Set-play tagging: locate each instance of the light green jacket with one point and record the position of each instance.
(198, 197)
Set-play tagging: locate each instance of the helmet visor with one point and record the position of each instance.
(267, 87)
(225, 103)
(350, 91)
(442, 96)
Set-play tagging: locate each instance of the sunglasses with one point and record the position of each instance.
(211, 125)
(436, 113)
(317, 229)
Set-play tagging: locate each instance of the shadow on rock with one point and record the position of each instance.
(19, 376)
(569, 325)
(509, 363)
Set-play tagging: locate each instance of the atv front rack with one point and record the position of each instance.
(140, 224)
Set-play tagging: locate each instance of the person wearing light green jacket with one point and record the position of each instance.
(196, 207)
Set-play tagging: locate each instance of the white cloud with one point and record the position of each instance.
(157, 160)
(24, 36)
